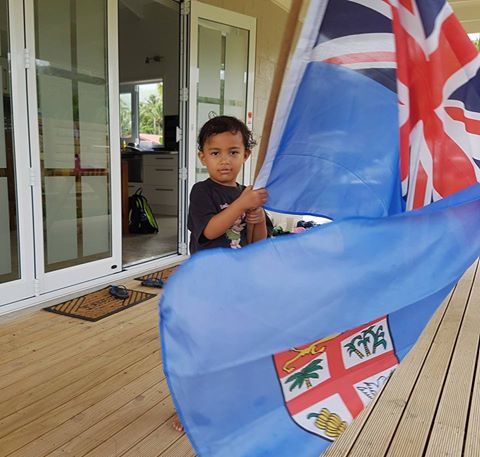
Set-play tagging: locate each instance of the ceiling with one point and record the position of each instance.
(468, 11)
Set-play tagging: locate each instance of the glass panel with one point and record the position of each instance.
(72, 83)
(126, 116)
(222, 69)
(9, 258)
(149, 70)
(150, 114)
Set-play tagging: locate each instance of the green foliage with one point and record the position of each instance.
(476, 42)
(151, 115)
(125, 119)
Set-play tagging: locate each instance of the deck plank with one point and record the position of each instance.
(138, 429)
(92, 413)
(47, 413)
(65, 353)
(115, 422)
(448, 431)
(41, 386)
(472, 439)
(413, 429)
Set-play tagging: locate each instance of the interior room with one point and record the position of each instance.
(149, 71)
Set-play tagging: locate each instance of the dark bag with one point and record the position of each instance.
(140, 215)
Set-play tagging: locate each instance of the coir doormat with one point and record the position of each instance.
(163, 275)
(99, 304)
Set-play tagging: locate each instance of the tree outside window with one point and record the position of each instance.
(141, 114)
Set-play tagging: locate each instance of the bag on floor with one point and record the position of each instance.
(140, 215)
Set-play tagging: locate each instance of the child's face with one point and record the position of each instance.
(224, 155)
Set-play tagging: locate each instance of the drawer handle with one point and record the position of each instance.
(163, 169)
(165, 190)
(163, 158)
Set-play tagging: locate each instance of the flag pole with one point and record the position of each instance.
(285, 49)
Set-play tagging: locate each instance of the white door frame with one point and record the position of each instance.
(25, 286)
(231, 18)
(49, 281)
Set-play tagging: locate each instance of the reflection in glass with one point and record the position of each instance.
(223, 69)
(72, 86)
(9, 259)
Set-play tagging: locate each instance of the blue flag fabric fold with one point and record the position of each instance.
(275, 348)
(338, 156)
(225, 314)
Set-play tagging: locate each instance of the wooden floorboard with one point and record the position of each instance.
(71, 387)
(77, 388)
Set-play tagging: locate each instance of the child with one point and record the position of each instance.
(220, 208)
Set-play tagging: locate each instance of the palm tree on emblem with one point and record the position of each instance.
(363, 340)
(304, 375)
(378, 337)
(352, 348)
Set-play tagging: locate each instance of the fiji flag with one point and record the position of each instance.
(273, 349)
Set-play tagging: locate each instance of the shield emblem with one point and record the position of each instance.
(327, 383)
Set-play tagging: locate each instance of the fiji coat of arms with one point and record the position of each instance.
(327, 383)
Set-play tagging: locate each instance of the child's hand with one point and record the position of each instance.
(251, 199)
(255, 216)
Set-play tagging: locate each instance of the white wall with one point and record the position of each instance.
(153, 30)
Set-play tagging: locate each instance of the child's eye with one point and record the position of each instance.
(214, 153)
(234, 152)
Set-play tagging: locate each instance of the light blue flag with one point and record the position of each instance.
(225, 313)
(275, 348)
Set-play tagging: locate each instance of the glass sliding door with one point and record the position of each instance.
(16, 272)
(9, 258)
(222, 61)
(71, 86)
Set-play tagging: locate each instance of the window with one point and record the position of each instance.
(141, 114)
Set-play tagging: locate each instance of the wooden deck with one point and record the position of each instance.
(73, 388)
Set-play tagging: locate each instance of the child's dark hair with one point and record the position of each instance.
(222, 124)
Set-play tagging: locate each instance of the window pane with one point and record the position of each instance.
(223, 69)
(126, 115)
(72, 83)
(9, 263)
(150, 110)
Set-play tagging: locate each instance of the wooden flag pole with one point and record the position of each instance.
(285, 49)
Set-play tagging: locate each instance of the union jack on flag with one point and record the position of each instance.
(437, 85)
(418, 50)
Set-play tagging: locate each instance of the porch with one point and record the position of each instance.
(72, 387)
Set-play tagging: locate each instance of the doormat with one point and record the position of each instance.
(163, 275)
(99, 304)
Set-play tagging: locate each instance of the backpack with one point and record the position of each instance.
(140, 216)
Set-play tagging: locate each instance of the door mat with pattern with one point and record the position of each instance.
(163, 275)
(99, 304)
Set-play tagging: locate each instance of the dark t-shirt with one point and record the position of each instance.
(207, 199)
